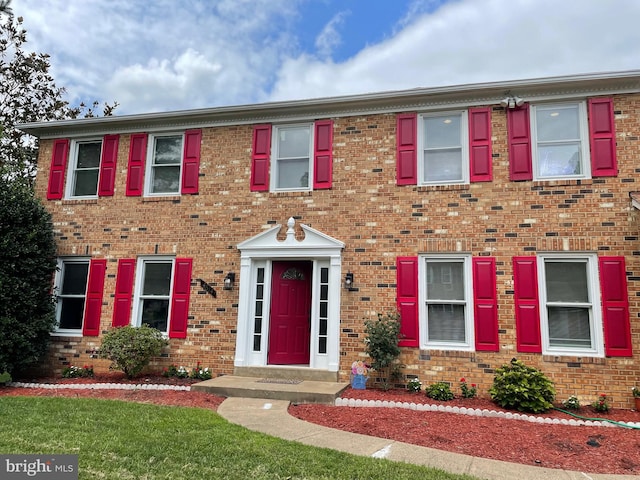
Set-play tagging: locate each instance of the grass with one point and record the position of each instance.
(116, 439)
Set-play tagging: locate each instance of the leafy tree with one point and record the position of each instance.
(27, 265)
(28, 93)
(383, 335)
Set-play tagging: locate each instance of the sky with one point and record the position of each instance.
(164, 55)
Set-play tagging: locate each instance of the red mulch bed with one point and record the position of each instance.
(518, 441)
(552, 446)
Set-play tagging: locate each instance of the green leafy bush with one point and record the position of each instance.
(527, 389)
(5, 377)
(383, 335)
(439, 391)
(602, 404)
(571, 403)
(27, 265)
(414, 385)
(130, 349)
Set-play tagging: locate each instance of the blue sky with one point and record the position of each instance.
(160, 55)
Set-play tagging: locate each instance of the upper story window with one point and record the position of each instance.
(444, 154)
(292, 157)
(84, 169)
(569, 140)
(443, 148)
(164, 165)
(560, 141)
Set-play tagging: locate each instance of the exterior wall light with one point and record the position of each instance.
(348, 281)
(229, 280)
(511, 101)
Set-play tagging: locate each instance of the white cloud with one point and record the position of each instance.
(330, 38)
(476, 41)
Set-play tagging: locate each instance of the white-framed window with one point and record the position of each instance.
(152, 299)
(70, 293)
(164, 164)
(292, 155)
(443, 140)
(560, 141)
(446, 308)
(84, 168)
(570, 304)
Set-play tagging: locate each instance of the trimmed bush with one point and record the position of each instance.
(383, 335)
(439, 391)
(130, 349)
(519, 387)
(27, 266)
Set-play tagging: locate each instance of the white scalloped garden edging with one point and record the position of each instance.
(100, 386)
(474, 412)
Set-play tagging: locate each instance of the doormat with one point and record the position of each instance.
(286, 381)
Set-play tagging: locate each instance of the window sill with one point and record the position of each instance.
(563, 182)
(79, 201)
(63, 335)
(168, 198)
(298, 193)
(440, 188)
(428, 353)
(591, 359)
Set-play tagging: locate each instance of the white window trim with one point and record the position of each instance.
(136, 318)
(464, 139)
(73, 165)
(275, 155)
(68, 332)
(151, 142)
(585, 154)
(594, 295)
(469, 343)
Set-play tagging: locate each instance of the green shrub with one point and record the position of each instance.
(439, 391)
(414, 385)
(5, 377)
(527, 389)
(27, 266)
(130, 349)
(383, 335)
(571, 403)
(602, 404)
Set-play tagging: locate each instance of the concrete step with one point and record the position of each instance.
(292, 390)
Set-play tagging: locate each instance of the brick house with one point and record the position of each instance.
(500, 219)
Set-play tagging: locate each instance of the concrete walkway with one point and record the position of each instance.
(271, 417)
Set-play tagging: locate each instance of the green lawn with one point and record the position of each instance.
(122, 440)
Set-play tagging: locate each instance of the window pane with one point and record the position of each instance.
(168, 150)
(155, 313)
(71, 313)
(445, 281)
(567, 282)
(157, 279)
(293, 173)
(569, 327)
(445, 323)
(75, 279)
(89, 155)
(293, 142)
(557, 123)
(443, 165)
(442, 131)
(86, 183)
(166, 180)
(559, 159)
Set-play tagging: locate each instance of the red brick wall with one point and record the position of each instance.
(377, 221)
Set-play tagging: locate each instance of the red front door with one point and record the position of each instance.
(290, 324)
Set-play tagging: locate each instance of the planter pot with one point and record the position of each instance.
(637, 400)
(358, 382)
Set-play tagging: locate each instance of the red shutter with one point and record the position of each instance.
(58, 167)
(261, 153)
(191, 161)
(180, 298)
(602, 138)
(519, 135)
(93, 302)
(480, 144)
(135, 170)
(124, 292)
(525, 278)
(407, 300)
(108, 165)
(323, 154)
(406, 146)
(485, 304)
(615, 307)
